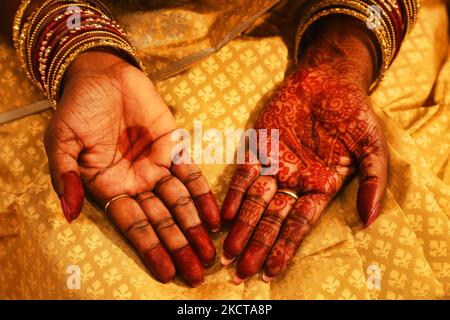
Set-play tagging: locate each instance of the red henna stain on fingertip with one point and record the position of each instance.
(189, 266)
(66, 209)
(73, 195)
(236, 239)
(252, 260)
(159, 263)
(209, 210)
(372, 215)
(366, 200)
(231, 204)
(201, 242)
(280, 257)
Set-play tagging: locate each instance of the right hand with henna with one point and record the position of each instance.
(327, 132)
(111, 135)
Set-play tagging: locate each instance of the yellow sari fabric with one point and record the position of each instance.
(409, 243)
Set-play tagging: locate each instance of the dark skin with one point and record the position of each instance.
(111, 135)
(327, 132)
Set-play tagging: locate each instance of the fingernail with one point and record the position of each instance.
(225, 261)
(266, 278)
(237, 280)
(66, 210)
(197, 283)
(372, 215)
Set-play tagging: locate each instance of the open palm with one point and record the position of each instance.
(327, 129)
(113, 130)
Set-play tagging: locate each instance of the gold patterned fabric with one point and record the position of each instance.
(409, 242)
(173, 35)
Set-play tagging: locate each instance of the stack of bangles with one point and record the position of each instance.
(57, 31)
(392, 20)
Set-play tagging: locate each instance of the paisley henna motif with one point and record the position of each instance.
(327, 129)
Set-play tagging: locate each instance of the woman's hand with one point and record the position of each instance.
(327, 129)
(113, 130)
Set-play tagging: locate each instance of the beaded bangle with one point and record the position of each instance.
(18, 21)
(58, 43)
(108, 43)
(73, 44)
(397, 19)
(379, 35)
(47, 45)
(32, 31)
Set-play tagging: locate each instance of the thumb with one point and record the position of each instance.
(372, 157)
(62, 150)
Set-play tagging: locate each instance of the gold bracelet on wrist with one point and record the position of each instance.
(57, 61)
(385, 35)
(53, 96)
(18, 21)
(56, 50)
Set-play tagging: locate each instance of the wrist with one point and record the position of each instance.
(93, 61)
(343, 38)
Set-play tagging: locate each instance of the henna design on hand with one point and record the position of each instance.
(327, 128)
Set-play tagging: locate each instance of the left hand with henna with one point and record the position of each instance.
(327, 130)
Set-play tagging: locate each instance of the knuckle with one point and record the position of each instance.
(193, 177)
(138, 226)
(182, 201)
(164, 224)
(162, 182)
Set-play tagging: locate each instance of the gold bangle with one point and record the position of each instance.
(382, 35)
(70, 41)
(90, 45)
(23, 42)
(358, 7)
(57, 61)
(96, 44)
(104, 8)
(388, 26)
(18, 21)
(31, 34)
(412, 6)
(52, 71)
(322, 6)
(43, 65)
(64, 49)
(27, 63)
